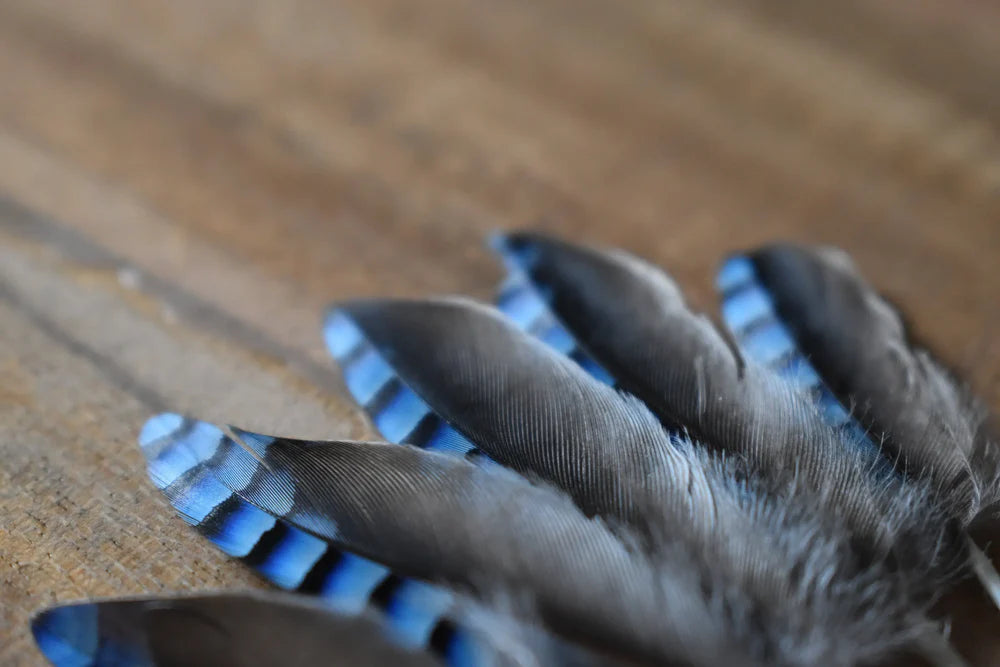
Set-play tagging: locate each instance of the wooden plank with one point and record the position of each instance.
(184, 186)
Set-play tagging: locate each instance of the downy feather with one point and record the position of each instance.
(860, 346)
(633, 320)
(528, 407)
(502, 533)
(850, 339)
(197, 466)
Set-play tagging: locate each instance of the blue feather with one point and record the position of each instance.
(751, 316)
(203, 473)
(397, 412)
(527, 306)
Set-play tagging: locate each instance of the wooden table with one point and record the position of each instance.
(184, 185)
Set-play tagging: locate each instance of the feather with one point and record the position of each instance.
(244, 629)
(386, 501)
(184, 457)
(633, 320)
(598, 478)
(859, 352)
(862, 349)
(528, 407)
(518, 299)
(400, 415)
(749, 313)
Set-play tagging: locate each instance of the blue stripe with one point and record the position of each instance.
(182, 449)
(197, 496)
(801, 373)
(465, 651)
(341, 334)
(235, 466)
(415, 609)
(166, 468)
(526, 306)
(255, 441)
(597, 371)
(238, 532)
(517, 256)
(204, 493)
(768, 343)
(158, 427)
(834, 412)
(368, 372)
(349, 586)
(290, 559)
(737, 270)
(558, 338)
(518, 301)
(745, 307)
(366, 375)
(402, 414)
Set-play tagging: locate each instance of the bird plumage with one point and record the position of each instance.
(594, 474)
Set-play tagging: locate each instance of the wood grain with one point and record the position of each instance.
(185, 185)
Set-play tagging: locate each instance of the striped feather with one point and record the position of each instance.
(183, 459)
(246, 630)
(633, 319)
(530, 408)
(750, 314)
(398, 413)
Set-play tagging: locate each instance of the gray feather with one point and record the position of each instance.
(862, 349)
(534, 410)
(632, 318)
(237, 629)
(443, 518)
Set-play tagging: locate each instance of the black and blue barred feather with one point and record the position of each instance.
(859, 353)
(272, 630)
(205, 474)
(632, 318)
(590, 474)
(399, 414)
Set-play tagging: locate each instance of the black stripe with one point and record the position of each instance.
(383, 594)
(384, 396)
(212, 525)
(424, 430)
(265, 545)
(442, 636)
(351, 356)
(313, 582)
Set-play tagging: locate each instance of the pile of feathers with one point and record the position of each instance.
(588, 473)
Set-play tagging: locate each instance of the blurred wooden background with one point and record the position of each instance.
(184, 185)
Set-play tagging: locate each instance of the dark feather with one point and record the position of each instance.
(862, 349)
(634, 321)
(503, 534)
(601, 478)
(530, 408)
(238, 630)
(209, 478)
(810, 309)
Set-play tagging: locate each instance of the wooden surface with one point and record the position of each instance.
(184, 185)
